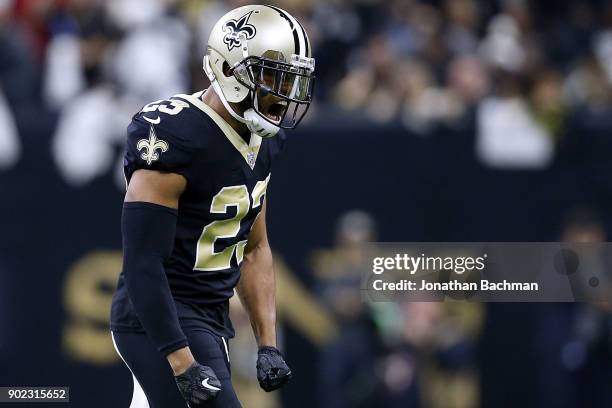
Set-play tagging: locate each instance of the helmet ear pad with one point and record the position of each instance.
(233, 90)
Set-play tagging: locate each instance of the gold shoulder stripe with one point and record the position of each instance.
(248, 151)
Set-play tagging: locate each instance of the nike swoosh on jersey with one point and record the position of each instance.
(153, 121)
(210, 387)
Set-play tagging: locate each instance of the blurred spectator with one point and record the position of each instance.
(90, 128)
(583, 225)
(347, 377)
(243, 356)
(80, 34)
(573, 340)
(335, 28)
(370, 84)
(64, 78)
(463, 23)
(130, 14)
(509, 134)
(502, 46)
(586, 85)
(17, 55)
(151, 63)
(99, 79)
(468, 79)
(510, 137)
(10, 145)
(426, 104)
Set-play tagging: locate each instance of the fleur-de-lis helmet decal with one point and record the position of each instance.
(151, 146)
(235, 29)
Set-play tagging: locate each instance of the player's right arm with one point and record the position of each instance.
(151, 204)
(148, 225)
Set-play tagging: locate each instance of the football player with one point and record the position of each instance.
(194, 217)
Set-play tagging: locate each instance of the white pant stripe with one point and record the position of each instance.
(226, 350)
(139, 399)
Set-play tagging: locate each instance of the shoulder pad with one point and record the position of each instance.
(157, 141)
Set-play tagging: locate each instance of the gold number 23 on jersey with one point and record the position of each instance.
(235, 196)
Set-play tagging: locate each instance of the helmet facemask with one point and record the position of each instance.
(281, 91)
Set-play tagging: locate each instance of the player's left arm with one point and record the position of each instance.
(257, 291)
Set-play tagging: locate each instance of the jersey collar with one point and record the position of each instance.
(248, 151)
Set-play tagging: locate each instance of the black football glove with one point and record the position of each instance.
(198, 384)
(272, 371)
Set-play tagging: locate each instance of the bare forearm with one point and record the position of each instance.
(180, 360)
(257, 290)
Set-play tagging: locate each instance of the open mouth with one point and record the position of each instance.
(277, 110)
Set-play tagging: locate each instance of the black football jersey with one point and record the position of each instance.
(227, 179)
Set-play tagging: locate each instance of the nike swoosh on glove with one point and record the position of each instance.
(198, 384)
(272, 371)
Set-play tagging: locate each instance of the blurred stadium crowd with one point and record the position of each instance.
(525, 68)
(527, 76)
(422, 62)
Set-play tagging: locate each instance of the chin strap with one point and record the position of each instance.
(259, 126)
(251, 119)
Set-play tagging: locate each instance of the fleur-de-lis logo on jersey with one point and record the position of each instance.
(151, 146)
(235, 29)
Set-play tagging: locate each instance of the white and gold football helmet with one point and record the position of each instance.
(263, 54)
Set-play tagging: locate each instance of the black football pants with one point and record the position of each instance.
(154, 385)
